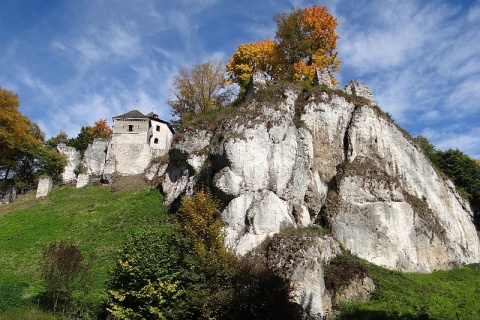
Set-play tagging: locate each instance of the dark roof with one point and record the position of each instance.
(132, 114)
(138, 115)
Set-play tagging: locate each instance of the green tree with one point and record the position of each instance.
(463, 170)
(82, 140)
(53, 142)
(198, 90)
(146, 282)
(86, 136)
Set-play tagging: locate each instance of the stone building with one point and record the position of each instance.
(136, 139)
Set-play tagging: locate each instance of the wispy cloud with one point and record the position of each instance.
(421, 59)
(105, 57)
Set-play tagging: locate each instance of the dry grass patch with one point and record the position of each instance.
(128, 184)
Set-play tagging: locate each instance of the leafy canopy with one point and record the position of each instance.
(305, 41)
(198, 90)
(23, 153)
(463, 170)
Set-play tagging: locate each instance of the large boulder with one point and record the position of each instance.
(73, 158)
(8, 194)
(44, 186)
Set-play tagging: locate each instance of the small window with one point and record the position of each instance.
(158, 128)
(130, 128)
(155, 141)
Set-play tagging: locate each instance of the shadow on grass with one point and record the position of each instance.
(375, 315)
(11, 295)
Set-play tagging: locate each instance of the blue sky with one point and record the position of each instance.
(75, 61)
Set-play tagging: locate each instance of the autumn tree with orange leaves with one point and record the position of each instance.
(101, 129)
(305, 40)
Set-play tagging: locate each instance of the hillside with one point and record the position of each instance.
(98, 220)
(94, 218)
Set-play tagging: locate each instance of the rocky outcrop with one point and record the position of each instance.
(301, 258)
(122, 155)
(73, 158)
(289, 159)
(8, 194)
(44, 187)
(94, 158)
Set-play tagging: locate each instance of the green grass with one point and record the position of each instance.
(93, 218)
(439, 295)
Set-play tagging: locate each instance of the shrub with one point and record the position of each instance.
(146, 282)
(343, 269)
(260, 293)
(64, 272)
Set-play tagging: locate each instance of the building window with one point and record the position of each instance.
(130, 128)
(155, 141)
(158, 128)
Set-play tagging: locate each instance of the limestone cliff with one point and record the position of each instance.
(291, 159)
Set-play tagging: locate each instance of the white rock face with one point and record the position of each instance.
(441, 238)
(301, 259)
(271, 174)
(328, 117)
(44, 186)
(319, 157)
(82, 180)
(95, 156)
(73, 160)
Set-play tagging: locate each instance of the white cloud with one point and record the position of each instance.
(390, 34)
(35, 83)
(474, 13)
(121, 42)
(454, 137)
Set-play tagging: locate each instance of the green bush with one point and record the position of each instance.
(146, 282)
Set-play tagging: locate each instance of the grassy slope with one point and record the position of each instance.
(98, 221)
(93, 218)
(439, 295)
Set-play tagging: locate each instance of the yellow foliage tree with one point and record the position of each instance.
(200, 224)
(15, 134)
(251, 57)
(305, 40)
(198, 90)
(319, 27)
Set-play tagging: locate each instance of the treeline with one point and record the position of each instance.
(87, 134)
(463, 170)
(25, 154)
